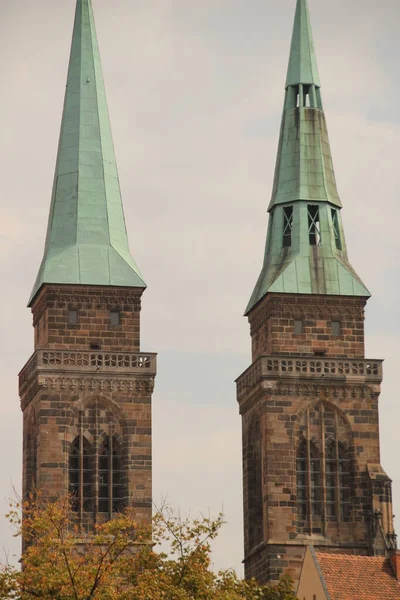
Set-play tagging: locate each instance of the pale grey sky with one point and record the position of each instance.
(195, 91)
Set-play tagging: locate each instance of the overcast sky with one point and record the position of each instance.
(195, 91)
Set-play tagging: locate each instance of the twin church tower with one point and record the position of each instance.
(309, 400)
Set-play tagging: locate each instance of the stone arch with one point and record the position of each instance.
(85, 401)
(313, 408)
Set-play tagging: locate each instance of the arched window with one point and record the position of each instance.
(110, 498)
(80, 474)
(323, 469)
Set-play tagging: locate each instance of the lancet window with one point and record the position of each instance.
(323, 470)
(105, 465)
(314, 226)
(287, 226)
(80, 474)
(97, 478)
(110, 476)
(336, 229)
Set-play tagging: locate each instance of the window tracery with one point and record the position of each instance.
(323, 468)
(96, 467)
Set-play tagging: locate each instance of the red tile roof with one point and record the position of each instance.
(358, 577)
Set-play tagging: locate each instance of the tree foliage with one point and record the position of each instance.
(121, 559)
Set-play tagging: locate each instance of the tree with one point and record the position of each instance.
(119, 559)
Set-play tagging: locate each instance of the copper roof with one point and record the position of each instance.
(86, 240)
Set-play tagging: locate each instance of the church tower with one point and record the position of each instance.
(309, 400)
(86, 391)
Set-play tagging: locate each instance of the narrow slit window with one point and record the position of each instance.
(336, 328)
(301, 470)
(117, 481)
(80, 475)
(110, 476)
(308, 475)
(336, 230)
(104, 476)
(115, 318)
(298, 326)
(287, 226)
(72, 317)
(344, 483)
(331, 480)
(314, 225)
(315, 478)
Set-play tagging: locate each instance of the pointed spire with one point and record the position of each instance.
(303, 62)
(86, 240)
(306, 249)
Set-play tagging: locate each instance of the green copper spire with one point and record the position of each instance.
(86, 237)
(306, 249)
(302, 62)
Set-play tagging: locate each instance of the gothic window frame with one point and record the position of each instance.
(110, 495)
(80, 474)
(336, 229)
(308, 480)
(314, 225)
(323, 476)
(287, 226)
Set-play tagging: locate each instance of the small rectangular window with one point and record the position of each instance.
(287, 226)
(298, 326)
(72, 317)
(336, 230)
(336, 328)
(95, 347)
(314, 226)
(115, 318)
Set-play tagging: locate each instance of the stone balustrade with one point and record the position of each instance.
(89, 361)
(271, 367)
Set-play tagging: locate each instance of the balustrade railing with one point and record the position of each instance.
(67, 360)
(277, 366)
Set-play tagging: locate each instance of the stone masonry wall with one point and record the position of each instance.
(94, 305)
(272, 326)
(312, 404)
(61, 403)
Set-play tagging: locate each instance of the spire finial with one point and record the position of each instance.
(303, 62)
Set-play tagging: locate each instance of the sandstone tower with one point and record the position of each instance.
(86, 391)
(309, 400)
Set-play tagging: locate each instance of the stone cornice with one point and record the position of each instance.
(143, 385)
(308, 390)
